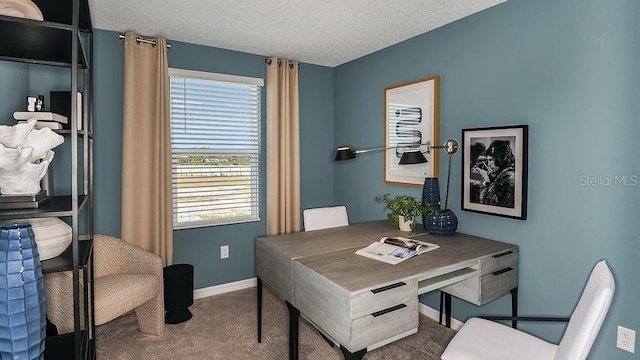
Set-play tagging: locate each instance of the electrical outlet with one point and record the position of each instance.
(626, 339)
(224, 252)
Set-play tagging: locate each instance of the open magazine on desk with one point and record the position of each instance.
(396, 249)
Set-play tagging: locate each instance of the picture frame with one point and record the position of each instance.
(495, 170)
(411, 119)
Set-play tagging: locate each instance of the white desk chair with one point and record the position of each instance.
(325, 217)
(483, 339)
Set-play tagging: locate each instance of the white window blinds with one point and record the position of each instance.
(215, 132)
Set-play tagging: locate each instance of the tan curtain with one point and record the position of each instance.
(146, 148)
(283, 147)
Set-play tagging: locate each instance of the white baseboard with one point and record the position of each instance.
(252, 282)
(435, 314)
(224, 288)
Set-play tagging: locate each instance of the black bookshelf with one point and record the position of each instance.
(38, 42)
(64, 261)
(62, 41)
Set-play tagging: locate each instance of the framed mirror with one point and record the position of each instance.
(411, 120)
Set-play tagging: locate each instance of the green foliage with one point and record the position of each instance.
(211, 160)
(405, 206)
(196, 160)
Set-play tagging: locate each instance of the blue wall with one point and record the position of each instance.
(201, 247)
(14, 89)
(569, 69)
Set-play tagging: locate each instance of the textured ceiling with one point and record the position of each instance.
(322, 32)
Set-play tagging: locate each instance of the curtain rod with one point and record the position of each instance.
(268, 62)
(139, 40)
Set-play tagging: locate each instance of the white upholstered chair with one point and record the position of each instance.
(481, 339)
(325, 217)
(127, 278)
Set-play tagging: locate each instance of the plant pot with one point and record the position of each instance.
(442, 223)
(404, 225)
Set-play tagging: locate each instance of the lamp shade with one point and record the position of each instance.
(410, 157)
(344, 153)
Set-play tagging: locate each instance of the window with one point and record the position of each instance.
(215, 132)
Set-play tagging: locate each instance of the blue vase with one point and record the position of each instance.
(431, 192)
(430, 196)
(22, 301)
(442, 223)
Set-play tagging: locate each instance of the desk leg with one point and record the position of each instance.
(353, 356)
(441, 307)
(259, 296)
(514, 307)
(447, 307)
(294, 318)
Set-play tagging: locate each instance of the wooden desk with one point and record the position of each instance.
(363, 304)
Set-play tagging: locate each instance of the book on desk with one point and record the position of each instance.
(394, 250)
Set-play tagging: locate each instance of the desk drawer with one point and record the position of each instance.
(500, 261)
(498, 284)
(372, 329)
(384, 297)
(483, 289)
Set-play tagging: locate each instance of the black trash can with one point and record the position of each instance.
(178, 293)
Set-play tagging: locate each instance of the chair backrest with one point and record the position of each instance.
(325, 217)
(588, 315)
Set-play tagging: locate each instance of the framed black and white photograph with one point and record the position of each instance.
(494, 171)
(411, 121)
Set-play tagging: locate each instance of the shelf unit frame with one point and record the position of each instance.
(57, 42)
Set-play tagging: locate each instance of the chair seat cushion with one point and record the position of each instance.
(118, 294)
(481, 339)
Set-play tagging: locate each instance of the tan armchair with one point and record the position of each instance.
(126, 278)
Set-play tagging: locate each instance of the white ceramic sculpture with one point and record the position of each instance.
(25, 155)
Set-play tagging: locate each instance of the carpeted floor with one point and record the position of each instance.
(224, 327)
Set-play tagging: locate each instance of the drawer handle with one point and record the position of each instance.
(502, 271)
(503, 254)
(386, 311)
(388, 287)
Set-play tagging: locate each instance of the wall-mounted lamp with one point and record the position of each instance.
(414, 156)
(411, 156)
(346, 153)
(444, 222)
(444, 219)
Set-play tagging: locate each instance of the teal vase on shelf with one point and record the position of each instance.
(22, 300)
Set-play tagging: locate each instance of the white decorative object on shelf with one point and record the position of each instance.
(25, 9)
(25, 155)
(40, 115)
(53, 235)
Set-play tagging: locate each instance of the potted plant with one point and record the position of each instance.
(403, 210)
